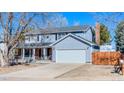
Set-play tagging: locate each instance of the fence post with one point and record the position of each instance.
(123, 69)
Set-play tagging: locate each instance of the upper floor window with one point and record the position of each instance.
(61, 35)
(38, 38)
(47, 36)
(27, 38)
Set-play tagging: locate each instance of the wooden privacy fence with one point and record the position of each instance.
(105, 58)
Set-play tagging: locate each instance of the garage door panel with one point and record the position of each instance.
(70, 56)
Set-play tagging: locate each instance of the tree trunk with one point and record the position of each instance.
(4, 58)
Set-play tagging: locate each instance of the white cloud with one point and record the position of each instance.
(59, 21)
(52, 20)
(76, 23)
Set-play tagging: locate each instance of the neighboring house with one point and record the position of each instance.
(104, 48)
(62, 45)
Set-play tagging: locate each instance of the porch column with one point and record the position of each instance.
(33, 56)
(44, 53)
(23, 53)
(41, 53)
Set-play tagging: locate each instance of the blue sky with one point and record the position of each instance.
(79, 17)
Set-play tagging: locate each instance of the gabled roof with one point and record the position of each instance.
(75, 37)
(83, 28)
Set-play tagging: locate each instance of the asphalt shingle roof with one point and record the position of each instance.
(33, 45)
(83, 28)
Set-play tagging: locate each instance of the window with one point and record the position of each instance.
(96, 47)
(27, 38)
(28, 52)
(61, 35)
(47, 36)
(38, 38)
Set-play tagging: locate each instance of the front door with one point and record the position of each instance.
(49, 53)
(28, 53)
(38, 53)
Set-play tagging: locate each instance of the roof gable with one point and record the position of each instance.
(75, 37)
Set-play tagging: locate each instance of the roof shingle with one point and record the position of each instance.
(83, 28)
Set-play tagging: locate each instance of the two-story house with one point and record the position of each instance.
(62, 45)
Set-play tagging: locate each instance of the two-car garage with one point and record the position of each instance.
(70, 56)
(71, 49)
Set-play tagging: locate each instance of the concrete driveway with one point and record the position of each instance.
(43, 72)
(55, 71)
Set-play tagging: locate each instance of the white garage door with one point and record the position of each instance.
(70, 56)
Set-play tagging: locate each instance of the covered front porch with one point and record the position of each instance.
(34, 53)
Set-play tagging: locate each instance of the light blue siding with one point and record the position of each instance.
(53, 54)
(89, 54)
(89, 35)
(50, 38)
(42, 39)
(71, 43)
(86, 35)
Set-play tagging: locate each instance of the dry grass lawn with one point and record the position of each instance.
(9, 69)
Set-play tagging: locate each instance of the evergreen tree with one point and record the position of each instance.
(119, 37)
(104, 34)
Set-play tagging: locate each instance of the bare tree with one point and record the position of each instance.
(108, 18)
(111, 19)
(13, 25)
(52, 20)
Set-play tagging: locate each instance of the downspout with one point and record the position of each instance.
(91, 53)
